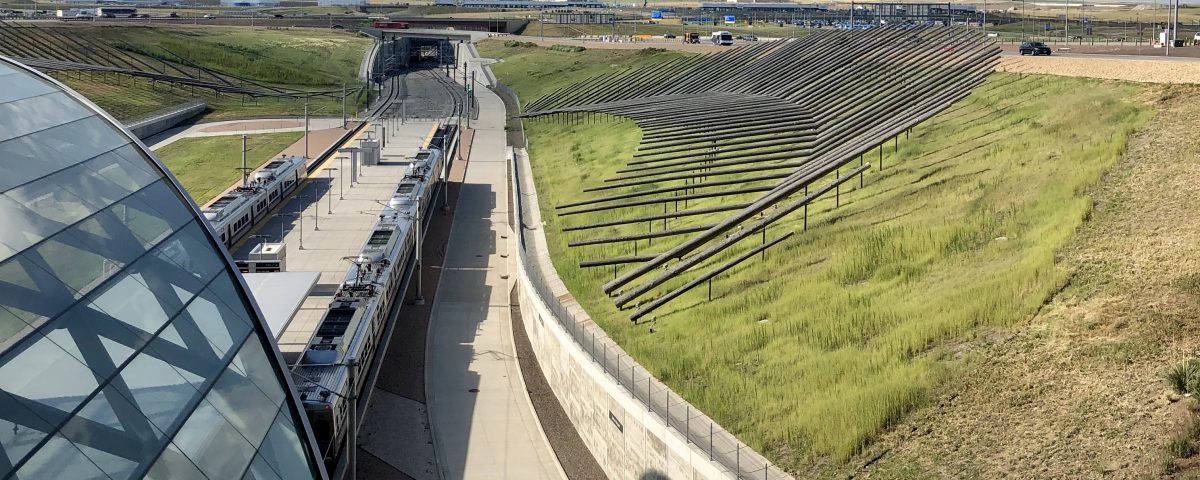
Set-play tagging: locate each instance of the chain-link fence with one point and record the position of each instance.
(738, 459)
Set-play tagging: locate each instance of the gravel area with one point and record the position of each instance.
(1106, 67)
(577, 462)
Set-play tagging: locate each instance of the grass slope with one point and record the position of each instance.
(206, 166)
(811, 353)
(306, 60)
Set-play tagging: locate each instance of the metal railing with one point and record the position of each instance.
(722, 447)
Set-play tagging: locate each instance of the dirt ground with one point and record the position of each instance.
(1108, 67)
(1078, 391)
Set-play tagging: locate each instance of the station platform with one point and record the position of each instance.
(329, 219)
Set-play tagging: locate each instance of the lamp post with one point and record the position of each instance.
(329, 191)
(306, 127)
(298, 215)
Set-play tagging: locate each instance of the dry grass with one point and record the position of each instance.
(1079, 391)
(811, 354)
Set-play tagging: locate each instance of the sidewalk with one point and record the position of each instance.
(483, 423)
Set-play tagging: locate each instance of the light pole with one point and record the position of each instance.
(299, 215)
(420, 300)
(306, 127)
(329, 192)
(341, 179)
(343, 105)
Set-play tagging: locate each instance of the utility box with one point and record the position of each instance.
(370, 151)
(265, 258)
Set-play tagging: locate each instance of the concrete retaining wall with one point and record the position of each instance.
(163, 120)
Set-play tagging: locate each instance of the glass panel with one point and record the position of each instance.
(243, 404)
(260, 470)
(36, 359)
(18, 86)
(23, 227)
(190, 249)
(159, 391)
(161, 197)
(124, 168)
(128, 298)
(173, 465)
(78, 262)
(29, 115)
(112, 415)
(213, 444)
(12, 328)
(92, 337)
(220, 325)
(252, 362)
(54, 149)
(284, 450)
(59, 459)
(66, 196)
(131, 217)
(20, 430)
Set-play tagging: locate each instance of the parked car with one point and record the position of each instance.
(172, 15)
(1034, 48)
(668, 35)
(748, 38)
(209, 15)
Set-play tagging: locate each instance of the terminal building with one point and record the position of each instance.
(129, 347)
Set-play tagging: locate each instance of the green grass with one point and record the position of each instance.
(304, 60)
(206, 166)
(128, 98)
(844, 328)
(309, 57)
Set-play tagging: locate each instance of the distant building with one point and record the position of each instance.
(518, 4)
(249, 3)
(129, 347)
(341, 3)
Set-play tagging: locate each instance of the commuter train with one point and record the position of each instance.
(353, 325)
(390, 24)
(234, 213)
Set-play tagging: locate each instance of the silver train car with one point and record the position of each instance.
(353, 325)
(234, 213)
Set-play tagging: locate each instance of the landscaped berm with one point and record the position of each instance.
(1004, 297)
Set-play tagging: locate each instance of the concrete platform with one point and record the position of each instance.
(317, 240)
(483, 424)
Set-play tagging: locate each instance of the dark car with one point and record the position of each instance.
(668, 35)
(1034, 48)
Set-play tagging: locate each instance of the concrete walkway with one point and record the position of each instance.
(483, 424)
(242, 127)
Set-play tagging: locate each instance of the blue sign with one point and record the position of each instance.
(730, 19)
(656, 14)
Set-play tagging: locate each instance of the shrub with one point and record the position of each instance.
(567, 48)
(1185, 377)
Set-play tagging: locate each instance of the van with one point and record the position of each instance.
(722, 38)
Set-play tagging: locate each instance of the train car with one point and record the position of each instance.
(353, 325)
(390, 24)
(232, 214)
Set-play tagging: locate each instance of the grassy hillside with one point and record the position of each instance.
(811, 353)
(206, 166)
(299, 59)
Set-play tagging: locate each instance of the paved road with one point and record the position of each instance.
(483, 424)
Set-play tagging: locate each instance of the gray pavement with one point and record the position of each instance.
(241, 127)
(483, 423)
